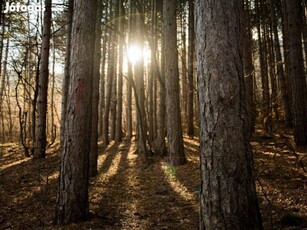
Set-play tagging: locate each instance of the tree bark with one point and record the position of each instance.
(95, 94)
(280, 70)
(263, 60)
(297, 74)
(40, 133)
(248, 69)
(118, 128)
(228, 196)
(110, 74)
(190, 102)
(175, 153)
(72, 200)
(66, 71)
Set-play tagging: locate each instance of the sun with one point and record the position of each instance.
(135, 53)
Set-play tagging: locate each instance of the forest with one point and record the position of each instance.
(153, 114)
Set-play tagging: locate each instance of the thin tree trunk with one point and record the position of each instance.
(249, 69)
(118, 131)
(93, 158)
(110, 74)
(190, 102)
(263, 62)
(140, 90)
(102, 74)
(175, 148)
(66, 71)
(40, 133)
(280, 70)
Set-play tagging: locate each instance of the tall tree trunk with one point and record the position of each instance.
(118, 129)
(4, 72)
(95, 94)
(130, 76)
(248, 68)
(66, 71)
(40, 129)
(272, 72)
(280, 70)
(175, 148)
(72, 200)
(110, 76)
(190, 102)
(228, 196)
(263, 61)
(297, 75)
(152, 75)
(140, 88)
(184, 66)
(102, 73)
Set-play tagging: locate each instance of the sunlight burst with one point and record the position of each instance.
(136, 53)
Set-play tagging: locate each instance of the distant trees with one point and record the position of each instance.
(151, 100)
(228, 196)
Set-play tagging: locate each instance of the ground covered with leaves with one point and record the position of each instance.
(128, 194)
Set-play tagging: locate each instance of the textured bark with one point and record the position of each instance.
(175, 150)
(66, 71)
(228, 197)
(40, 128)
(72, 200)
(95, 95)
(190, 102)
(297, 75)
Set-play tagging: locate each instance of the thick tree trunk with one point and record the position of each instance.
(297, 74)
(40, 128)
(72, 200)
(175, 148)
(228, 195)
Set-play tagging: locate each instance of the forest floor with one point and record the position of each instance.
(127, 194)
